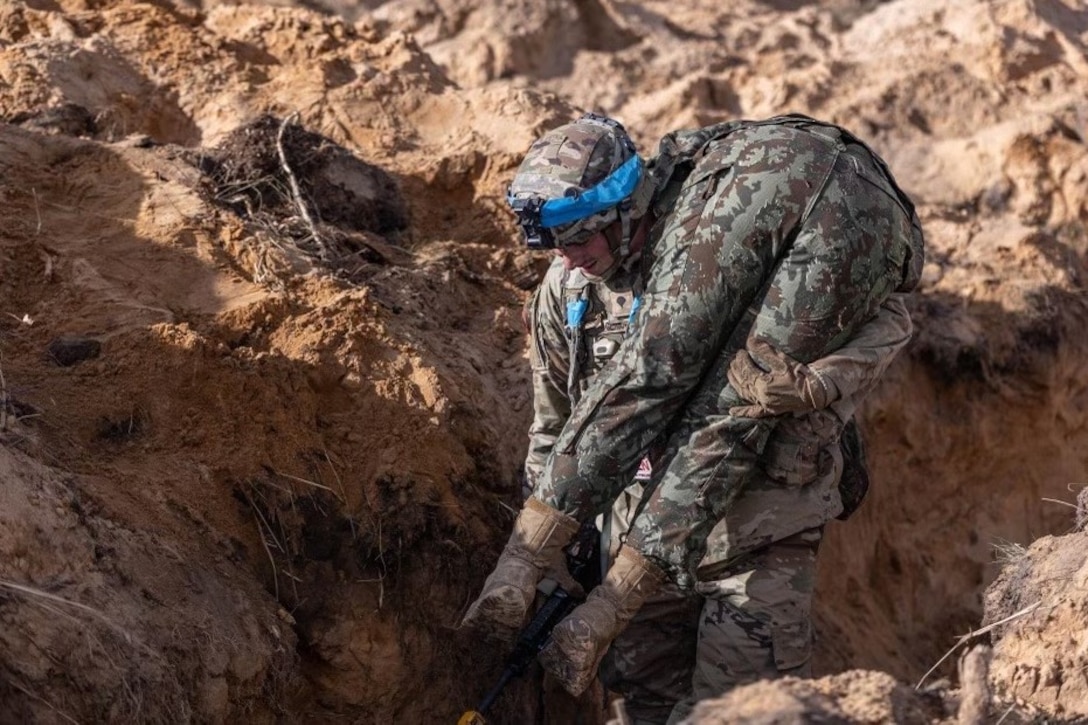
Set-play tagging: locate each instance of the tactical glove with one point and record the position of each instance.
(580, 641)
(535, 550)
(775, 383)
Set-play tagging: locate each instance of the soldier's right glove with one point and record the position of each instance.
(534, 551)
(774, 383)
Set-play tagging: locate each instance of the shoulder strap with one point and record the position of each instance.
(798, 120)
(678, 150)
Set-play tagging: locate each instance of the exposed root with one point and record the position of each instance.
(38, 596)
(971, 635)
(296, 192)
(309, 204)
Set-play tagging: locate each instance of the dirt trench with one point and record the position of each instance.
(256, 462)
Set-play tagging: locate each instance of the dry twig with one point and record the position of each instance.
(380, 579)
(305, 481)
(970, 635)
(37, 211)
(1058, 500)
(264, 542)
(343, 493)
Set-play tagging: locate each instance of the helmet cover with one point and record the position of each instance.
(574, 181)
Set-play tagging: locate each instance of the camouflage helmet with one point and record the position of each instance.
(576, 180)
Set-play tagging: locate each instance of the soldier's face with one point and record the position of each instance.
(594, 255)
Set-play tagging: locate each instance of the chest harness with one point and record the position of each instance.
(612, 324)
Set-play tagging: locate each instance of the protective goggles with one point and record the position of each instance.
(539, 218)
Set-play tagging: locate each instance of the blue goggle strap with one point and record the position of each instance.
(616, 187)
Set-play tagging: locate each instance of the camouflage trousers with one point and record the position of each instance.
(750, 621)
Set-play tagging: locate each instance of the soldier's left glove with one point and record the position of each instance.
(775, 383)
(580, 641)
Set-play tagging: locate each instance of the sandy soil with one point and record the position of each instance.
(258, 453)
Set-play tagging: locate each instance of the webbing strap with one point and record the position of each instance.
(577, 306)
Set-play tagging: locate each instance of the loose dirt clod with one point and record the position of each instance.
(251, 176)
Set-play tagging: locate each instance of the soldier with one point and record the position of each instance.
(750, 593)
(749, 616)
(762, 247)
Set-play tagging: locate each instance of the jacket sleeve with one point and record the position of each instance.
(772, 383)
(549, 355)
(855, 368)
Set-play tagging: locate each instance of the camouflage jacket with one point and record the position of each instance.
(565, 357)
(796, 487)
(690, 327)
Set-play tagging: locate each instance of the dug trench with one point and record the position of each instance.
(274, 481)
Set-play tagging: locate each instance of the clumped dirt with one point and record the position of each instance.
(259, 448)
(1040, 618)
(273, 165)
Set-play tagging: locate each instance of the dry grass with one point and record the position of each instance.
(38, 698)
(46, 601)
(132, 676)
(1008, 552)
(270, 541)
(286, 236)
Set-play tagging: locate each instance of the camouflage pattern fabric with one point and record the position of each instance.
(575, 159)
(752, 623)
(855, 367)
(791, 217)
(671, 653)
(653, 663)
(797, 483)
(579, 157)
(603, 329)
